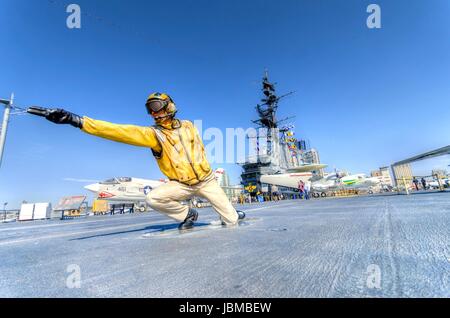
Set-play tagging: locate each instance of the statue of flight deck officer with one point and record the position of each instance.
(179, 152)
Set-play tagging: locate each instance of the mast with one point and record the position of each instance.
(267, 112)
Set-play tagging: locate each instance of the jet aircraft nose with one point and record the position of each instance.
(93, 187)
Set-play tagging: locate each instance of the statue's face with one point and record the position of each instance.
(161, 116)
(160, 113)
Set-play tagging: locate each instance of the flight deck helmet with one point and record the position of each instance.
(157, 101)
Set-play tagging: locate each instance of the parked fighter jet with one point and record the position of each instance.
(293, 177)
(125, 189)
(358, 181)
(331, 181)
(336, 181)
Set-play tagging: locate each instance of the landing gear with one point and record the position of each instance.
(140, 207)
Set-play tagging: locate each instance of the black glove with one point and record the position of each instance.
(57, 116)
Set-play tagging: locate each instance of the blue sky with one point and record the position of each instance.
(364, 98)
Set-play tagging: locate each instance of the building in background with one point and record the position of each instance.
(232, 191)
(222, 177)
(384, 175)
(302, 145)
(402, 171)
(440, 173)
(375, 173)
(311, 156)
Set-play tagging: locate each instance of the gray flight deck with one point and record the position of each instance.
(342, 247)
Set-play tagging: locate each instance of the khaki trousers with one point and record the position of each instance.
(166, 199)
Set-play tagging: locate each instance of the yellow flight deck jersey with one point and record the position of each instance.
(179, 151)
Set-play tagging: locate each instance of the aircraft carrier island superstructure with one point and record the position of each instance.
(277, 150)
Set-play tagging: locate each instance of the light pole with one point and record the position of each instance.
(4, 210)
(8, 105)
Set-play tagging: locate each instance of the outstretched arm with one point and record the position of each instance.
(129, 134)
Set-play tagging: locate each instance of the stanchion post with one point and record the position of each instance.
(404, 183)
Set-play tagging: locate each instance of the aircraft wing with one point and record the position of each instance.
(307, 167)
